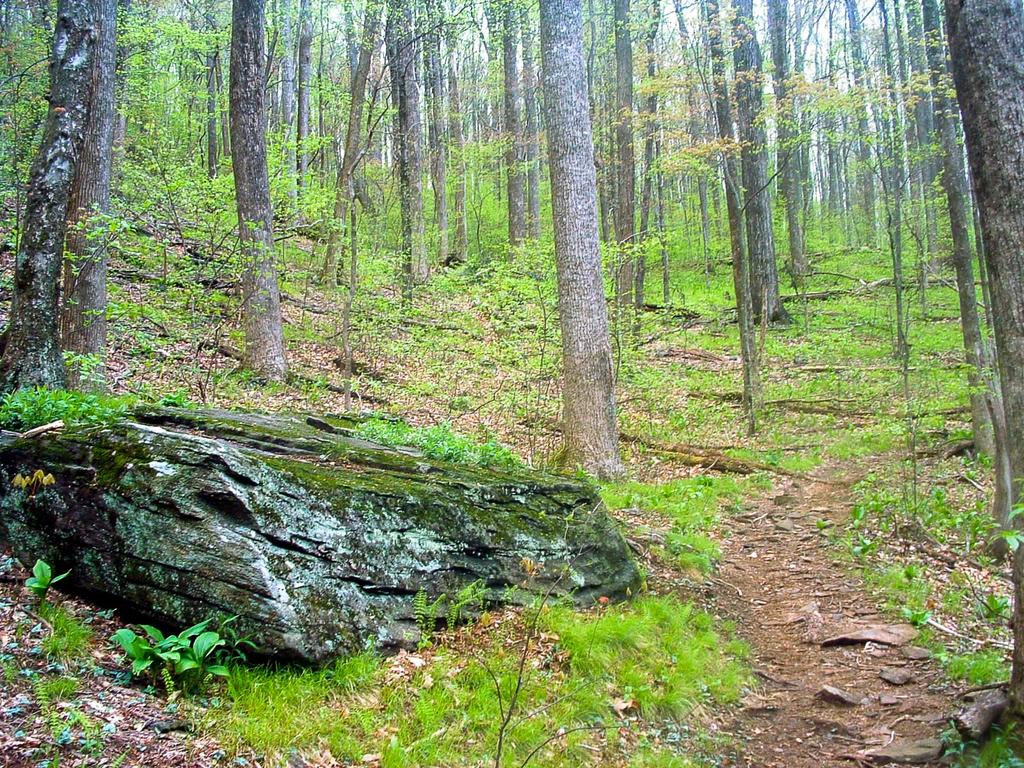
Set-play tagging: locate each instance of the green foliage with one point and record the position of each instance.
(188, 658)
(659, 656)
(42, 579)
(978, 668)
(69, 637)
(439, 443)
(28, 408)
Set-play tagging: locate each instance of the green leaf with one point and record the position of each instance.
(205, 643)
(153, 632)
(125, 638)
(185, 665)
(43, 572)
(218, 669)
(141, 665)
(195, 629)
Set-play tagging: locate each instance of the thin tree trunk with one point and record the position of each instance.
(650, 134)
(83, 312)
(515, 178)
(788, 140)
(438, 132)
(345, 189)
(532, 138)
(305, 70)
(740, 267)
(865, 171)
(625, 160)
(32, 355)
(402, 55)
(261, 298)
(212, 140)
(764, 273)
(588, 390)
(461, 249)
(287, 115)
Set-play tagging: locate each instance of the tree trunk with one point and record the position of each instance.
(515, 178)
(32, 356)
(588, 390)
(212, 140)
(305, 70)
(438, 132)
(650, 135)
(345, 191)
(986, 38)
(788, 141)
(455, 118)
(261, 299)
(764, 273)
(625, 160)
(740, 265)
(287, 44)
(400, 33)
(532, 138)
(865, 170)
(83, 312)
(954, 185)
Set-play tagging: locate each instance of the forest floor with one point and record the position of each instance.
(819, 704)
(852, 507)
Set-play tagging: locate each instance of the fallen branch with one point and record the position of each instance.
(695, 457)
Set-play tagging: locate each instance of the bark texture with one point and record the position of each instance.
(515, 178)
(624, 208)
(261, 297)
(986, 38)
(83, 312)
(33, 356)
(588, 390)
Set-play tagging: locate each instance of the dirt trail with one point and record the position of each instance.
(780, 584)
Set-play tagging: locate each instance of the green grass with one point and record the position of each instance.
(657, 656)
(28, 408)
(691, 507)
(69, 638)
(440, 443)
(977, 668)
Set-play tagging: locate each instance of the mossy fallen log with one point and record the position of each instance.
(319, 541)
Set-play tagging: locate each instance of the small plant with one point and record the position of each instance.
(33, 483)
(916, 616)
(27, 408)
(470, 596)
(425, 613)
(188, 658)
(994, 607)
(42, 579)
(440, 443)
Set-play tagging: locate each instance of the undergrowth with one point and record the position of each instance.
(440, 443)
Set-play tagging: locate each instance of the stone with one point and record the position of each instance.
(907, 752)
(915, 653)
(834, 695)
(887, 634)
(320, 542)
(896, 675)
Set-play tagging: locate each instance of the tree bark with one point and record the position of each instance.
(590, 428)
(986, 38)
(345, 190)
(437, 130)
(764, 272)
(261, 298)
(788, 140)
(455, 122)
(287, 116)
(83, 312)
(515, 179)
(532, 138)
(305, 70)
(625, 159)
(400, 34)
(650, 129)
(740, 266)
(32, 356)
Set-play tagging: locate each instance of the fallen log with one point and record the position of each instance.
(975, 719)
(319, 541)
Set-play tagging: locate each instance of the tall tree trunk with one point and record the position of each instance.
(588, 389)
(345, 190)
(650, 136)
(986, 38)
(83, 312)
(305, 71)
(261, 298)
(212, 140)
(32, 356)
(455, 120)
(287, 115)
(788, 139)
(865, 171)
(516, 180)
(625, 160)
(954, 185)
(402, 48)
(532, 138)
(764, 272)
(740, 266)
(438, 132)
